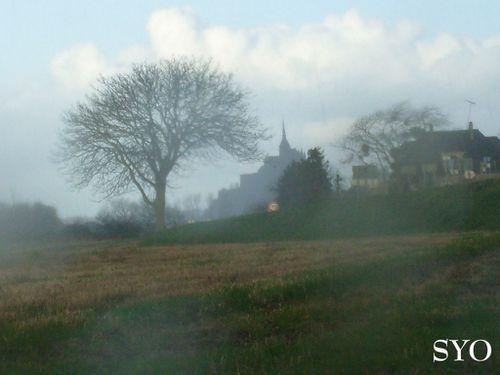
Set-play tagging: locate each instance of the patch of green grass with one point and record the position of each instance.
(355, 323)
(376, 317)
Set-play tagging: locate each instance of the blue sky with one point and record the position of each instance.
(319, 65)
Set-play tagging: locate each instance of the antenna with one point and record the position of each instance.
(471, 103)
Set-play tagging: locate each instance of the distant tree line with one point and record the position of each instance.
(121, 218)
(28, 221)
(117, 219)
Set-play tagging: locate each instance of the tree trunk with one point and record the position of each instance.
(159, 207)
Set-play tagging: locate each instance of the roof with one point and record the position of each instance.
(430, 145)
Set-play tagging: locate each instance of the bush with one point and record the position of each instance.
(28, 221)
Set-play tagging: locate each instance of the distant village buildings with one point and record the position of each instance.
(436, 158)
(255, 190)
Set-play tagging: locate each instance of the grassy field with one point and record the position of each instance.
(351, 306)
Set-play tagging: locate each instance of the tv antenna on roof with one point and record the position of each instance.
(471, 103)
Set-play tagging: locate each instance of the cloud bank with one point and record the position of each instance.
(342, 49)
(339, 68)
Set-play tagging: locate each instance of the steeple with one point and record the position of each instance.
(284, 145)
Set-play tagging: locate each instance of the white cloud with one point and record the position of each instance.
(339, 48)
(174, 32)
(492, 42)
(79, 66)
(435, 50)
(344, 50)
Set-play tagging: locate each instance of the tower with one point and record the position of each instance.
(284, 145)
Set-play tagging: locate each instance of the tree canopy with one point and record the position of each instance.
(305, 182)
(136, 128)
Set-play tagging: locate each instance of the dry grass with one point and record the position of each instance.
(100, 307)
(61, 282)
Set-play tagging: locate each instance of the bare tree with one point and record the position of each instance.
(136, 128)
(372, 138)
(120, 210)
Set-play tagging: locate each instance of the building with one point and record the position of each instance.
(438, 158)
(255, 190)
(368, 178)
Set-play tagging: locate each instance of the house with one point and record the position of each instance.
(368, 178)
(437, 158)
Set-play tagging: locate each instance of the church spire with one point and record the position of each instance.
(284, 145)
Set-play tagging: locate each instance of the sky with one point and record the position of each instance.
(317, 65)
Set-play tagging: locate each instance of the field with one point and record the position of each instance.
(344, 306)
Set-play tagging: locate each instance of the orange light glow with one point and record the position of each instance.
(273, 207)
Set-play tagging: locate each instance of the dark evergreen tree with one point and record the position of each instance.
(338, 184)
(305, 182)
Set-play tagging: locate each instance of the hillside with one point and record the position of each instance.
(473, 206)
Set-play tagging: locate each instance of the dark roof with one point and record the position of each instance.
(493, 144)
(430, 145)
